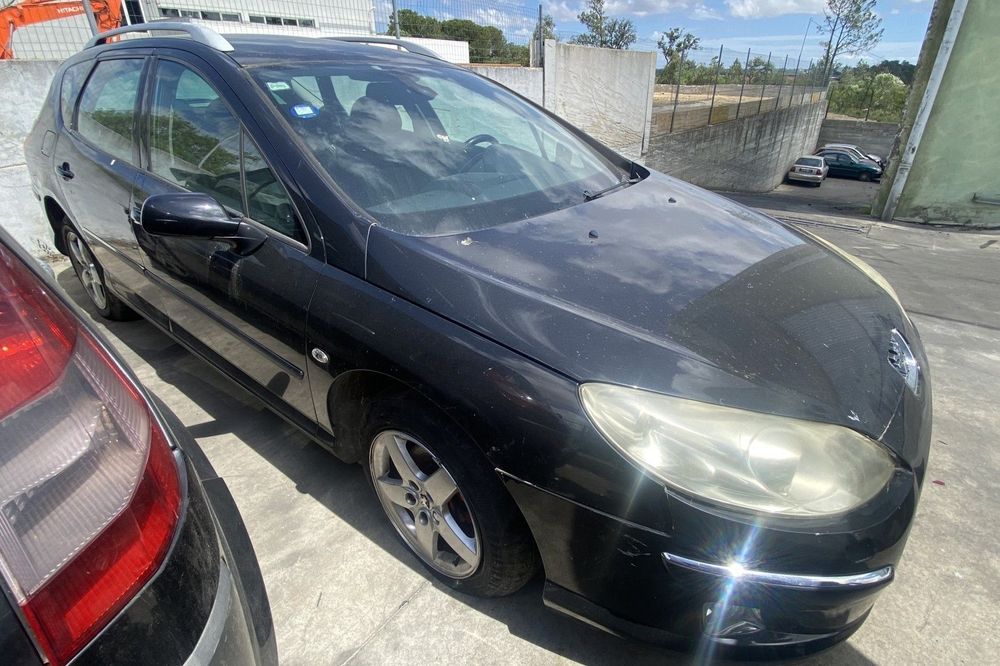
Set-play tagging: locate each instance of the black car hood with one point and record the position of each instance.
(670, 288)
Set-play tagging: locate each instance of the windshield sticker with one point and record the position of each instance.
(278, 85)
(304, 111)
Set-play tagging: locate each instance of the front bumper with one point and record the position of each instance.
(796, 593)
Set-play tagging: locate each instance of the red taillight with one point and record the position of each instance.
(89, 492)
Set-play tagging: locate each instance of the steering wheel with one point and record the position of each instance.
(480, 138)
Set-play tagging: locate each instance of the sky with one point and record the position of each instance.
(760, 25)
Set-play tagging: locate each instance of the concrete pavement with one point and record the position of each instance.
(343, 589)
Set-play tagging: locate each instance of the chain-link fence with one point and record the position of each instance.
(706, 86)
(497, 31)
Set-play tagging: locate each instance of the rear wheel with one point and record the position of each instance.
(864, 177)
(92, 276)
(446, 502)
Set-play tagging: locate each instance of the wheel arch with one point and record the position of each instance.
(57, 217)
(351, 396)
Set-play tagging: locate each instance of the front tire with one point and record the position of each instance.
(864, 178)
(91, 276)
(445, 501)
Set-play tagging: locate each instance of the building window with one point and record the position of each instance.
(211, 16)
(274, 20)
(235, 18)
(169, 12)
(287, 21)
(256, 19)
(307, 23)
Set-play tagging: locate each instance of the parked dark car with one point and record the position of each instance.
(843, 164)
(703, 424)
(857, 151)
(118, 542)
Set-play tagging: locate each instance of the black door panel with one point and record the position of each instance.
(100, 155)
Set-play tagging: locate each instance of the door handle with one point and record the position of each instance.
(64, 171)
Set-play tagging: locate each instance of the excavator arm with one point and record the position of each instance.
(31, 12)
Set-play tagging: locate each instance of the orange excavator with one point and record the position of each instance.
(30, 12)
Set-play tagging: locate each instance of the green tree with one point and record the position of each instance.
(850, 27)
(759, 71)
(602, 30)
(675, 45)
(548, 27)
(903, 69)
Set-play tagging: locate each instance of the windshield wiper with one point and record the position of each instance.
(590, 196)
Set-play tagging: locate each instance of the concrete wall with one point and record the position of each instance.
(957, 156)
(751, 154)
(605, 92)
(877, 138)
(24, 85)
(526, 81)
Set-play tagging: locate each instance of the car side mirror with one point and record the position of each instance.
(197, 215)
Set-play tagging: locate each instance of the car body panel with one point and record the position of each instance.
(698, 298)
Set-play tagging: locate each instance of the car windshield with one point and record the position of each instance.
(809, 161)
(434, 150)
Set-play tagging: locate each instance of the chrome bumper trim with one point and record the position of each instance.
(738, 573)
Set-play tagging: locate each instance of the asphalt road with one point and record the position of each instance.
(343, 589)
(836, 196)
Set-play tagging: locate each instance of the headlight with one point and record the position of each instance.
(764, 463)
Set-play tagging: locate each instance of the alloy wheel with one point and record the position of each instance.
(87, 270)
(424, 504)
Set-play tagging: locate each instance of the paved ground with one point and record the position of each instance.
(343, 589)
(837, 196)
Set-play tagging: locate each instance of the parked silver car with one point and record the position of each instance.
(809, 169)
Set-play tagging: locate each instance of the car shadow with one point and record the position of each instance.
(341, 488)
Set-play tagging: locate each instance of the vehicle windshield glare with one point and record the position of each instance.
(439, 150)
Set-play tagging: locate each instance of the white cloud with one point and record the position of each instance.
(768, 8)
(702, 12)
(645, 7)
(563, 11)
(894, 11)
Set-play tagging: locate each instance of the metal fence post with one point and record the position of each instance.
(763, 86)
(715, 86)
(395, 18)
(791, 96)
(781, 83)
(871, 97)
(540, 45)
(88, 8)
(677, 93)
(743, 83)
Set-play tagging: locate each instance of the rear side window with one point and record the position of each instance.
(71, 80)
(107, 106)
(809, 161)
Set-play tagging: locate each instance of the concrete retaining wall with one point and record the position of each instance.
(605, 92)
(877, 138)
(24, 85)
(526, 81)
(751, 154)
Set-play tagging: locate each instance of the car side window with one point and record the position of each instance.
(194, 138)
(107, 106)
(198, 144)
(70, 89)
(267, 201)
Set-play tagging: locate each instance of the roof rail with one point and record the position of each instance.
(401, 44)
(200, 34)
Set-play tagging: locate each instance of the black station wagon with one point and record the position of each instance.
(700, 423)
